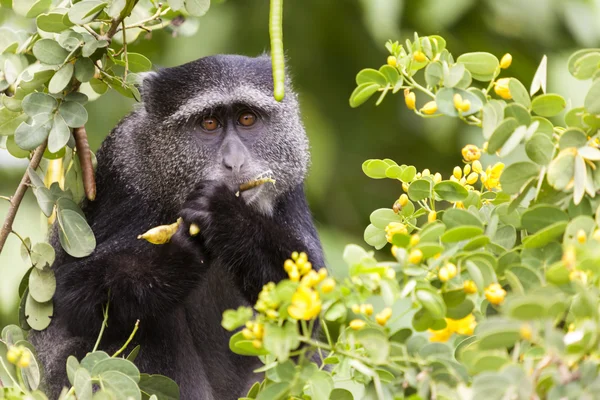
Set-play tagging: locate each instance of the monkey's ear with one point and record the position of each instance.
(146, 88)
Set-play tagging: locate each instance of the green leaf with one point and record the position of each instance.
(340, 394)
(85, 11)
(585, 66)
(432, 302)
(461, 233)
(434, 73)
(75, 235)
(116, 364)
(540, 149)
(482, 66)
(454, 75)
(31, 8)
(280, 341)
(59, 134)
(445, 101)
(233, 319)
(274, 391)
(517, 175)
(42, 285)
(51, 22)
(28, 137)
(197, 8)
(92, 359)
(455, 217)
(572, 137)
(38, 314)
(75, 114)
(375, 237)
(542, 215)
(61, 78)
(501, 134)
(592, 99)
(548, 105)
(382, 217)
(72, 367)
(138, 62)
(362, 93)
(38, 103)
(375, 343)
(562, 169)
(545, 236)
(12, 334)
(49, 52)
(375, 169)
(519, 93)
(518, 112)
(83, 384)
(10, 121)
(122, 386)
(84, 69)
(419, 189)
(500, 337)
(164, 388)
(370, 76)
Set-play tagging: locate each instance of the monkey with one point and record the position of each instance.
(202, 129)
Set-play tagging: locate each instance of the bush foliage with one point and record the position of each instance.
(493, 287)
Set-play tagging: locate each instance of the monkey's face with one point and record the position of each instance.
(216, 119)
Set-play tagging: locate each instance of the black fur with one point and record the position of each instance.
(178, 291)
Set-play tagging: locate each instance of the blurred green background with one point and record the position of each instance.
(327, 43)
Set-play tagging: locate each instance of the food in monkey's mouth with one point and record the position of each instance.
(163, 233)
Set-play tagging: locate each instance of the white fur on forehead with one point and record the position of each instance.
(242, 94)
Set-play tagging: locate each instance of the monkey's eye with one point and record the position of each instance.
(247, 118)
(210, 124)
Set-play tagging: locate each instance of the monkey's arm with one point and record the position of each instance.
(144, 281)
(254, 245)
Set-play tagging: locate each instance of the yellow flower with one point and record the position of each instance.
(469, 287)
(460, 104)
(392, 61)
(414, 239)
(506, 61)
(432, 216)
(258, 330)
(294, 275)
(310, 279)
(403, 200)
(457, 172)
(366, 309)
(441, 335)
(289, 265)
(410, 99)
(383, 317)
(24, 360)
(525, 332)
(464, 326)
(357, 324)
(257, 344)
(394, 228)
(247, 334)
(491, 177)
(581, 236)
(472, 178)
(419, 56)
(305, 305)
(415, 256)
(495, 294)
(429, 108)
(328, 285)
(13, 354)
(501, 88)
(471, 153)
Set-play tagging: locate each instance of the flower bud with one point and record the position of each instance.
(501, 88)
(383, 317)
(437, 178)
(357, 324)
(471, 153)
(469, 287)
(472, 178)
(415, 256)
(525, 332)
(581, 236)
(419, 56)
(429, 108)
(403, 200)
(392, 61)
(457, 172)
(410, 99)
(328, 285)
(506, 61)
(414, 239)
(432, 216)
(495, 294)
(477, 167)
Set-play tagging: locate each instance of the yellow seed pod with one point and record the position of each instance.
(247, 334)
(429, 108)
(410, 99)
(472, 178)
(457, 172)
(443, 274)
(581, 236)
(419, 56)
(392, 61)
(357, 324)
(501, 88)
(161, 234)
(415, 256)
(469, 287)
(356, 308)
(257, 344)
(328, 285)
(477, 167)
(506, 61)
(414, 239)
(403, 200)
(432, 216)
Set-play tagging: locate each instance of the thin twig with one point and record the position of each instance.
(116, 22)
(5, 198)
(125, 52)
(104, 325)
(15, 201)
(85, 159)
(140, 24)
(122, 349)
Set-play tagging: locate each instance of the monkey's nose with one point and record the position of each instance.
(234, 162)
